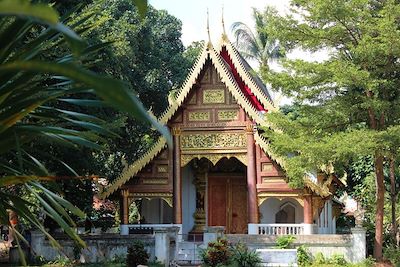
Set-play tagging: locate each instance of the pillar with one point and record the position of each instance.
(251, 176)
(177, 201)
(161, 237)
(308, 214)
(125, 212)
(359, 248)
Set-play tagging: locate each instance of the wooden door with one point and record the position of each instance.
(227, 203)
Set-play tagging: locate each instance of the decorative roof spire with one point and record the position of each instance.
(209, 44)
(224, 36)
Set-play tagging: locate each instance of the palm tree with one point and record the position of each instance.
(256, 45)
(35, 90)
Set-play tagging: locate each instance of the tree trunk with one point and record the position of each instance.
(380, 201)
(393, 196)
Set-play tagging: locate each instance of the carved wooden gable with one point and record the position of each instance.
(209, 104)
(155, 176)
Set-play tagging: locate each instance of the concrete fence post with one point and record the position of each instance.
(359, 248)
(162, 238)
(212, 233)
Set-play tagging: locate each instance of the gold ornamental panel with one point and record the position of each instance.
(213, 141)
(227, 115)
(280, 196)
(214, 96)
(162, 168)
(214, 158)
(155, 181)
(199, 116)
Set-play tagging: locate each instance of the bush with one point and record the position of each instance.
(217, 253)
(319, 258)
(337, 259)
(303, 256)
(393, 254)
(137, 255)
(244, 257)
(285, 241)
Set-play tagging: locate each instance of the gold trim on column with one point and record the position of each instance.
(176, 131)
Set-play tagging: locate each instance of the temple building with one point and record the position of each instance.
(219, 170)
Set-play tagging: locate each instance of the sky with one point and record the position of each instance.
(193, 14)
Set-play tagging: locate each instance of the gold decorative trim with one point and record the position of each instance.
(167, 197)
(213, 96)
(162, 168)
(272, 179)
(213, 141)
(176, 131)
(227, 115)
(322, 190)
(199, 115)
(134, 168)
(214, 158)
(247, 78)
(155, 181)
(280, 196)
(230, 82)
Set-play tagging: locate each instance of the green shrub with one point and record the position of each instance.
(285, 241)
(393, 254)
(137, 255)
(319, 258)
(337, 259)
(244, 257)
(217, 253)
(303, 256)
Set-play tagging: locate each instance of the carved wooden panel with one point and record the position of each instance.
(213, 141)
(214, 96)
(227, 115)
(199, 115)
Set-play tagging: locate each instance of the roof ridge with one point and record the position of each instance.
(134, 168)
(264, 98)
(321, 189)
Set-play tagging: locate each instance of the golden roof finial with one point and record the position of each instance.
(208, 26)
(224, 36)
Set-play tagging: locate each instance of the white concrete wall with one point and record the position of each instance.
(271, 206)
(188, 199)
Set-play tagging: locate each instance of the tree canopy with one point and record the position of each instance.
(348, 105)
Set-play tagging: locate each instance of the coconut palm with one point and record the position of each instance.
(38, 93)
(256, 45)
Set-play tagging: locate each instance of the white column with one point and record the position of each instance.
(359, 248)
(162, 245)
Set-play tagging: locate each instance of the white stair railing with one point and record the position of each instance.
(279, 229)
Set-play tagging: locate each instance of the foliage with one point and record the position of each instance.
(285, 241)
(393, 254)
(257, 45)
(217, 253)
(137, 254)
(245, 257)
(38, 94)
(348, 104)
(303, 256)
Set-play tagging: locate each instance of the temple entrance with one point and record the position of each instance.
(227, 203)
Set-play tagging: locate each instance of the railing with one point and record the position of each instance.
(145, 228)
(277, 229)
